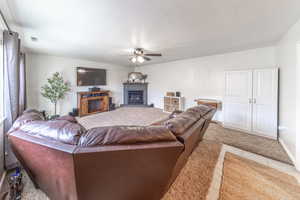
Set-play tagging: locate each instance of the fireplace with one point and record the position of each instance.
(94, 105)
(136, 97)
(135, 94)
(92, 102)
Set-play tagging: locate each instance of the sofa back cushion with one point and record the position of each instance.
(180, 123)
(200, 109)
(28, 116)
(125, 135)
(68, 118)
(60, 130)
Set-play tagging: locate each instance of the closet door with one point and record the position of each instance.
(265, 97)
(237, 100)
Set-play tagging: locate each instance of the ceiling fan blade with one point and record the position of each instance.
(146, 58)
(152, 54)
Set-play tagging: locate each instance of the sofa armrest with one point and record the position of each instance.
(48, 163)
(53, 144)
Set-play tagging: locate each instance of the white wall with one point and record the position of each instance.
(1, 148)
(41, 67)
(201, 77)
(288, 54)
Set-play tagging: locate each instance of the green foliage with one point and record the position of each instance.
(55, 89)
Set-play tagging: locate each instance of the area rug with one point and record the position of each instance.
(139, 116)
(246, 179)
(236, 175)
(217, 171)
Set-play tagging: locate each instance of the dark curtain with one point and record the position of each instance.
(14, 87)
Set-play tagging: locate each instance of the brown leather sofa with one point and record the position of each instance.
(68, 162)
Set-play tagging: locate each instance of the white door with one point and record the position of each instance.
(265, 88)
(237, 100)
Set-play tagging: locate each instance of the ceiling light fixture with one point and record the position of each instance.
(82, 71)
(133, 59)
(140, 59)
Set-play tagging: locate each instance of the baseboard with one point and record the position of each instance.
(288, 151)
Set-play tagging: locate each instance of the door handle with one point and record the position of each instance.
(254, 100)
(250, 100)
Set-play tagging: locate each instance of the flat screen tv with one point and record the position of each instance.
(90, 76)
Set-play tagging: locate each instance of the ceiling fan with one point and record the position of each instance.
(140, 56)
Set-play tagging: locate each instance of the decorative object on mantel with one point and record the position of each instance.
(210, 102)
(94, 89)
(92, 102)
(172, 103)
(55, 90)
(178, 94)
(136, 77)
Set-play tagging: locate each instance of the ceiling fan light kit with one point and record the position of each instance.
(133, 59)
(140, 56)
(140, 59)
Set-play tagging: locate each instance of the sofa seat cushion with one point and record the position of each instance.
(42, 114)
(125, 135)
(60, 130)
(28, 116)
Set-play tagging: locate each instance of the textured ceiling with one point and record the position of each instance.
(107, 30)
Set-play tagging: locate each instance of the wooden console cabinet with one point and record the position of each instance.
(209, 102)
(92, 102)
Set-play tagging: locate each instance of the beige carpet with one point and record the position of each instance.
(256, 144)
(195, 178)
(246, 179)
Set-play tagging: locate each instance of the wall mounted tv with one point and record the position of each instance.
(90, 76)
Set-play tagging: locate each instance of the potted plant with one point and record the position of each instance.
(55, 90)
